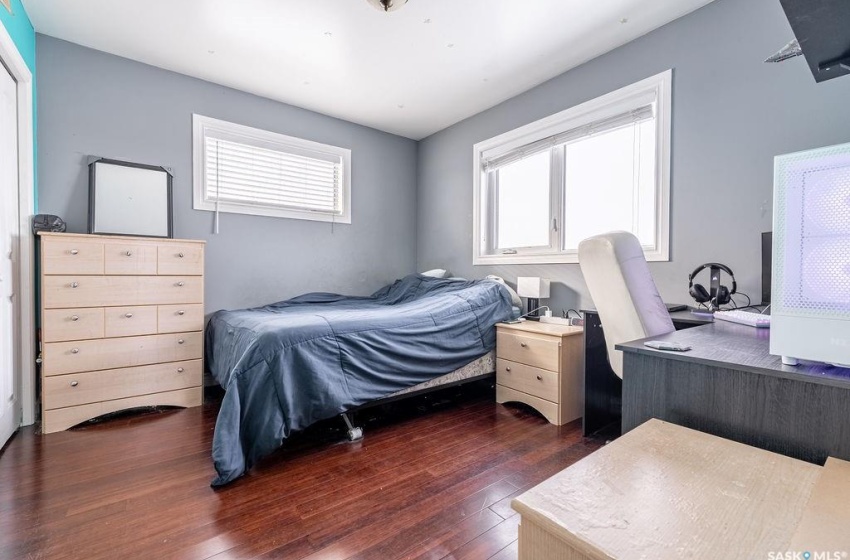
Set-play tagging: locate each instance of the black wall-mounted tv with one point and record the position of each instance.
(823, 29)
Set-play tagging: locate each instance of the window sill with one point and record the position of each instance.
(230, 208)
(560, 258)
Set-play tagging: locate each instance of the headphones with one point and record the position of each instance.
(717, 294)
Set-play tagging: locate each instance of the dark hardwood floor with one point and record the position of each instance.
(433, 478)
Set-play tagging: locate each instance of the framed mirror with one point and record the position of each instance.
(129, 199)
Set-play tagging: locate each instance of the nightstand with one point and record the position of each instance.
(540, 364)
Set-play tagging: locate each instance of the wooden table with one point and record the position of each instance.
(663, 491)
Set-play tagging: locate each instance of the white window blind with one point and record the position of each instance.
(627, 118)
(250, 171)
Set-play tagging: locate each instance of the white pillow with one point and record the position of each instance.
(436, 273)
(515, 300)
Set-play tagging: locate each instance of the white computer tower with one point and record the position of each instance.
(810, 301)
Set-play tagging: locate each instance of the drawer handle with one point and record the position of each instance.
(74, 251)
(74, 284)
(129, 253)
(74, 383)
(539, 378)
(180, 370)
(179, 255)
(75, 350)
(523, 344)
(181, 284)
(181, 312)
(75, 317)
(181, 341)
(128, 315)
(508, 368)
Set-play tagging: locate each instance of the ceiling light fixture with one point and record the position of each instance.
(387, 5)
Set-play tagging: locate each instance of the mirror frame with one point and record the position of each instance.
(92, 225)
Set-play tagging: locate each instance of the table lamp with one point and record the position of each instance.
(534, 289)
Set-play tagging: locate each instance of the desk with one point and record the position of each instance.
(731, 386)
(603, 389)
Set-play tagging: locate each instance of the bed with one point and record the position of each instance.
(291, 364)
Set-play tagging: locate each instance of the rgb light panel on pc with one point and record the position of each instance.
(814, 239)
(825, 248)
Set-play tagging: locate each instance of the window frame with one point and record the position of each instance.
(556, 168)
(201, 125)
(616, 102)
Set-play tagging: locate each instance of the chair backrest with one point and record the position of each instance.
(623, 291)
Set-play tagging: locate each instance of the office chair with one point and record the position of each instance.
(623, 291)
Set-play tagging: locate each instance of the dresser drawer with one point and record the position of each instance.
(71, 256)
(130, 321)
(181, 318)
(542, 352)
(95, 386)
(534, 381)
(129, 257)
(97, 291)
(72, 324)
(175, 258)
(111, 353)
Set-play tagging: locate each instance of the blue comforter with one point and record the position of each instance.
(288, 365)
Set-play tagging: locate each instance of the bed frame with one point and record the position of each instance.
(469, 373)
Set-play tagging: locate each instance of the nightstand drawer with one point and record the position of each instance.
(534, 381)
(543, 352)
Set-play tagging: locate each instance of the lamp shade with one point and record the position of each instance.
(532, 287)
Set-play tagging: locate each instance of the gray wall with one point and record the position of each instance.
(731, 115)
(92, 103)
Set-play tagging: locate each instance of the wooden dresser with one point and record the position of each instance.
(122, 325)
(540, 364)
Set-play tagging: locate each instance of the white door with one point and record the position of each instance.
(9, 320)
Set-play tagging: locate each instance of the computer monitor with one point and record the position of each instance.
(766, 254)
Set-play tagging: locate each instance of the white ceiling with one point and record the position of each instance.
(411, 72)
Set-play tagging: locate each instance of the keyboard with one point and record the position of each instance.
(744, 317)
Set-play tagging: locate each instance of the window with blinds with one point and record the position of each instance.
(598, 167)
(251, 171)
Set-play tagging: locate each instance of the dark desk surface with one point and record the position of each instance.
(688, 316)
(740, 347)
(685, 316)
